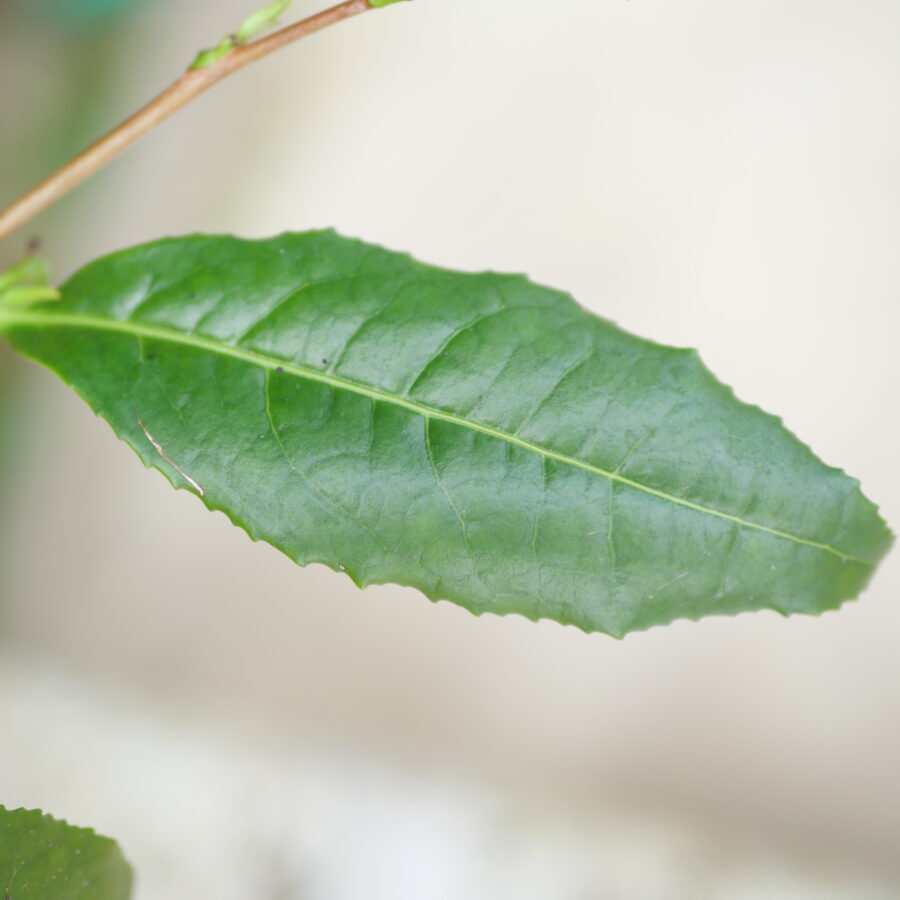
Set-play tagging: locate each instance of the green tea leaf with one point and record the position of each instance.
(475, 436)
(42, 857)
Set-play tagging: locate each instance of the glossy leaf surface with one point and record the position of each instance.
(476, 436)
(42, 857)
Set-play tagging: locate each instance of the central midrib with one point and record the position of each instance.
(146, 330)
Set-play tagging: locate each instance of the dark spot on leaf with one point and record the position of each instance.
(280, 370)
(324, 362)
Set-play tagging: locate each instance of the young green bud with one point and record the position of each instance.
(25, 283)
(261, 21)
(208, 57)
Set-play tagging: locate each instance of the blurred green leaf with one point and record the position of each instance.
(6, 434)
(79, 12)
(43, 858)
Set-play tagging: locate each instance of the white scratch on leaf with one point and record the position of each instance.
(158, 448)
(662, 587)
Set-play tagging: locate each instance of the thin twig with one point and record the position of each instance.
(185, 89)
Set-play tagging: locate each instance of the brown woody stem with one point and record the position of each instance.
(191, 84)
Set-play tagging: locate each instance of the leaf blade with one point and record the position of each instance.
(475, 436)
(45, 857)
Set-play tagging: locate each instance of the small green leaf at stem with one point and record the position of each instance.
(30, 270)
(27, 282)
(206, 58)
(261, 21)
(253, 26)
(379, 3)
(25, 296)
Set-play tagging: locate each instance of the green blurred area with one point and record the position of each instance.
(78, 13)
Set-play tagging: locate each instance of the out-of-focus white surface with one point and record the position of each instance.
(207, 812)
(717, 175)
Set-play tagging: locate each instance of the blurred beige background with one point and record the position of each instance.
(710, 174)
